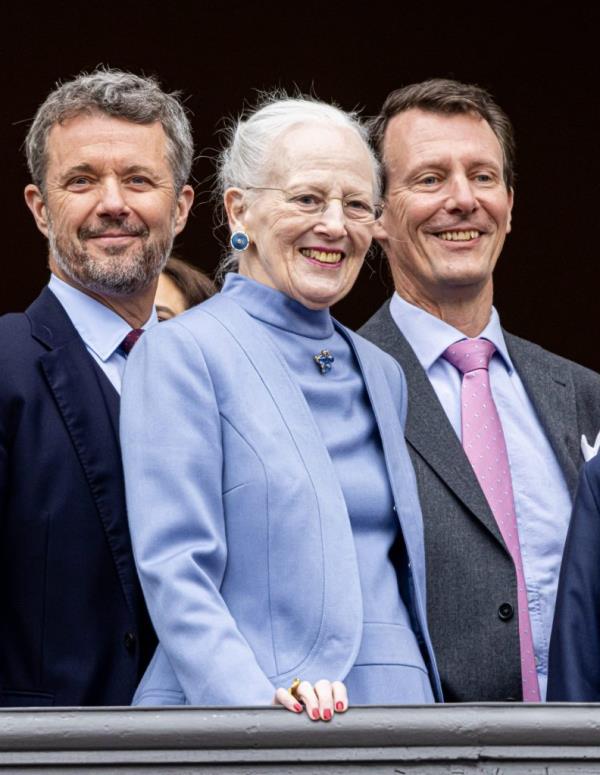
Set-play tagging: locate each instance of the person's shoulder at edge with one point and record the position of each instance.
(14, 321)
(17, 345)
(195, 321)
(515, 342)
(591, 472)
(193, 339)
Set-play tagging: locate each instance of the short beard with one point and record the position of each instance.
(112, 276)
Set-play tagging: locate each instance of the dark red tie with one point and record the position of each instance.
(127, 344)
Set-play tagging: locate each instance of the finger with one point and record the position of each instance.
(340, 697)
(324, 692)
(283, 697)
(306, 694)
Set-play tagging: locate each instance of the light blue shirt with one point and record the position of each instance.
(542, 501)
(101, 329)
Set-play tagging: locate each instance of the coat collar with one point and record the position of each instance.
(50, 324)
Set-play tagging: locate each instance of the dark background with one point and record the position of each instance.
(540, 62)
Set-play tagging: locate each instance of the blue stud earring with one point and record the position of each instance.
(239, 240)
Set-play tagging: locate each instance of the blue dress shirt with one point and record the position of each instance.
(542, 500)
(101, 329)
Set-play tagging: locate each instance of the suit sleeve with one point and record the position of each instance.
(8, 416)
(574, 660)
(172, 456)
(3, 459)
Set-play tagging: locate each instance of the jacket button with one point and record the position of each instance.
(129, 640)
(506, 612)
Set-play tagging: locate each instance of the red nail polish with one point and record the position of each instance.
(327, 714)
(298, 707)
(339, 706)
(315, 714)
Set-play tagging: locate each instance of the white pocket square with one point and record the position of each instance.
(588, 451)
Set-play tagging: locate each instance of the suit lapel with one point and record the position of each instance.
(74, 383)
(428, 431)
(552, 394)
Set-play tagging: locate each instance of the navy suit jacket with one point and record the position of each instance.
(73, 625)
(574, 669)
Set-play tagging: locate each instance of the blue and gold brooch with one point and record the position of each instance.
(324, 361)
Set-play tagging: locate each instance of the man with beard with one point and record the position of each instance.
(110, 155)
(497, 427)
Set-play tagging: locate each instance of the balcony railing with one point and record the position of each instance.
(460, 739)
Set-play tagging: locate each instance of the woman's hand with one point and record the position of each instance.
(320, 700)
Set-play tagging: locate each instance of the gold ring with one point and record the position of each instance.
(293, 690)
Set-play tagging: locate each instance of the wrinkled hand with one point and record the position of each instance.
(320, 700)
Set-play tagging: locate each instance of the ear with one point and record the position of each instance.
(379, 232)
(511, 201)
(184, 205)
(235, 207)
(35, 201)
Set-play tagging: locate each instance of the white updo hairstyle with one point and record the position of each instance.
(250, 139)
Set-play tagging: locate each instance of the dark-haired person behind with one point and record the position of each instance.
(273, 507)
(180, 287)
(574, 662)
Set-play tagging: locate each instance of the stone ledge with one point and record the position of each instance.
(471, 738)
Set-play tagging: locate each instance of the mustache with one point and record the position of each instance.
(111, 226)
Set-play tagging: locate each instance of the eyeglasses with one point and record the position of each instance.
(354, 206)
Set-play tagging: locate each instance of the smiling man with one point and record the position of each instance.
(110, 155)
(495, 423)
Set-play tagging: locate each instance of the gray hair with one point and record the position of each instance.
(119, 94)
(249, 141)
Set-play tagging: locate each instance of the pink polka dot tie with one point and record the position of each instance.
(484, 445)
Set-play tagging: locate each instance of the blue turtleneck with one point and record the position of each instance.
(339, 402)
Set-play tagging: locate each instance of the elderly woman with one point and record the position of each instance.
(273, 507)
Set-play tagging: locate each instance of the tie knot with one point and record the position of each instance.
(470, 354)
(128, 342)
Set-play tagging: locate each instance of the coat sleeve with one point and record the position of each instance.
(574, 660)
(10, 407)
(173, 460)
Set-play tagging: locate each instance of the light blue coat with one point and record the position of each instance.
(239, 526)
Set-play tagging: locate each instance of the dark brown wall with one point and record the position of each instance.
(542, 69)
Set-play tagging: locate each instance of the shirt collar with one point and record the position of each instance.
(430, 337)
(276, 308)
(101, 329)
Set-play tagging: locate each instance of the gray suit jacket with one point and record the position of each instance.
(469, 571)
